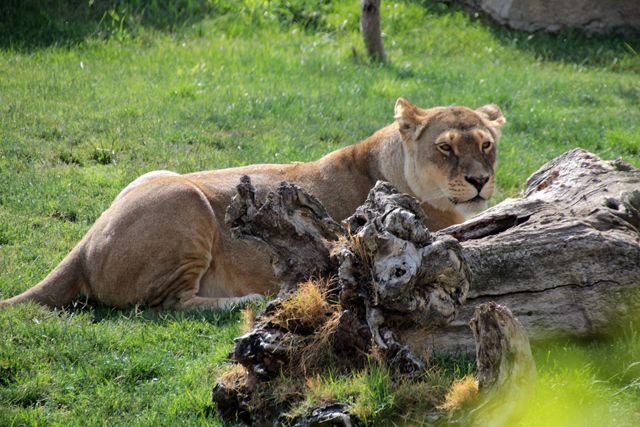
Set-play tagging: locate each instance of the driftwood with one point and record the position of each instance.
(390, 274)
(565, 258)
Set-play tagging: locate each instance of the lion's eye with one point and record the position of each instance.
(445, 148)
(486, 145)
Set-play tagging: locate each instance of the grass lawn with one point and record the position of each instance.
(85, 108)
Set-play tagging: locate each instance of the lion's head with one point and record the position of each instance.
(450, 154)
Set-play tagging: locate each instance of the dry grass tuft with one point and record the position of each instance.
(462, 393)
(237, 377)
(306, 310)
(311, 321)
(318, 350)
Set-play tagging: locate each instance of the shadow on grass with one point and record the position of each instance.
(573, 46)
(29, 24)
(215, 317)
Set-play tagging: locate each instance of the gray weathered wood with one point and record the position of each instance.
(391, 271)
(390, 275)
(294, 226)
(565, 257)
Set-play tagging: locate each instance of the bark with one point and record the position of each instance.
(564, 257)
(295, 226)
(370, 27)
(391, 273)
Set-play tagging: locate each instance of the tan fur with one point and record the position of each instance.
(162, 243)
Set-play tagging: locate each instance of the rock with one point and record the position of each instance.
(593, 16)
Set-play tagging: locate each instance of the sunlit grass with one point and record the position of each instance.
(594, 384)
(91, 367)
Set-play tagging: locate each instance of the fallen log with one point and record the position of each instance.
(565, 257)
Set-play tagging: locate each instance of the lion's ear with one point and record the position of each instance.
(493, 115)
(406, 115)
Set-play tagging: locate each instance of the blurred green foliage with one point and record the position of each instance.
(29, 23)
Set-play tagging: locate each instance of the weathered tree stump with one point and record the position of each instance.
(401, 273)
(390, 272)
(565, 258)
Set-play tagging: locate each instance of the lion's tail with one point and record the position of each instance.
(58, 289)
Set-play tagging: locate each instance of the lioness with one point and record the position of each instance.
(162, 243)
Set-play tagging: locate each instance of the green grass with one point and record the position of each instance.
(92, 98)
(100, 367)
(595, 383)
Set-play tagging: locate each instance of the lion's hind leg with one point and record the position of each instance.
(197, 302)
(143, 179)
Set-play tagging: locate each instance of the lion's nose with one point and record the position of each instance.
(477, 181)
